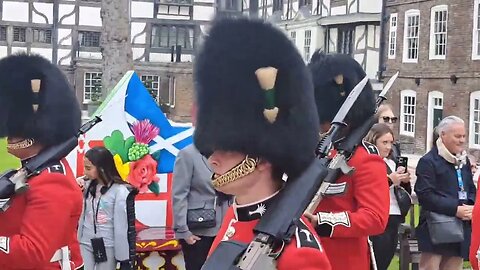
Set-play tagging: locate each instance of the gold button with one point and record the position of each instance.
(230, 232)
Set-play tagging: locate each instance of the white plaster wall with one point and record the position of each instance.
(325, 10)
(332, 47)
(370, 6)
(173, 17)
(62, 33)
(206, 1)
(3, 51)
(45, 9)
(141, 9)
(47, 53)
(165, 57)
(18, 50)
(377, 37)
(15, 11)
(359, 32)
(64, 10)
(320, 39)
(138, 52)
(353, 8)
(338, 10)
(90, 55)
(90, 16)
(359, 58)
(371, 37)
(372, 63)
(203, 13)
(136, 29)
(61, 53)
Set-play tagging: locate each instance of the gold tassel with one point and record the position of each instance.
(266, 77)
(36, 84)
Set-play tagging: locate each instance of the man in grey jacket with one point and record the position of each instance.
(193, 191)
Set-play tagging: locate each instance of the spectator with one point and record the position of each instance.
(385, 244)
(385, 115)
(445, 187)
(193, 192)
(105, 215)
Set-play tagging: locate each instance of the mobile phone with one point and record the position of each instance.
(402, 162)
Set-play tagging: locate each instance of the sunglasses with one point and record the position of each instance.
(388, 119)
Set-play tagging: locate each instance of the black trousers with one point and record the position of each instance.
(196, 254)
(385, 244)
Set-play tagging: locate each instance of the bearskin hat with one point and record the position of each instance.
(36, 101)
(237, 112)
(334, 77)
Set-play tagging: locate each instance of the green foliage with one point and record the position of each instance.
(154, 188)
(7, 161)
(137, 151)
(118, 145)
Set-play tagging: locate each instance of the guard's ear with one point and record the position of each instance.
(339, 79)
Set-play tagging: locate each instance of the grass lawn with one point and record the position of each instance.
(7, 161)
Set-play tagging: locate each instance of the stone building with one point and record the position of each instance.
(436, 47)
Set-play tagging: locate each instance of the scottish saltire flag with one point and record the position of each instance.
(129, 103)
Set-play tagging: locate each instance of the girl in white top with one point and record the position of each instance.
(104, 217)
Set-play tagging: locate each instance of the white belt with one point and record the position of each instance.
(62, 256)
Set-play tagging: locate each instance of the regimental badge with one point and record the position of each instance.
(305, 238)
(371, 148)
(5, 244)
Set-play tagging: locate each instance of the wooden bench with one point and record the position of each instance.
(408, 245)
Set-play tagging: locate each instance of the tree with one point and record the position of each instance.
(115, 42)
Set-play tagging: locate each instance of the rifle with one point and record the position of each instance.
(278, 224)
(15, 181)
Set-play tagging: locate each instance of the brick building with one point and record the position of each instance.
(436, 47)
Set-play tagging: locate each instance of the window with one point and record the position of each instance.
(293, 37)
(89, 39)
(92, 87)
(474, 130)
(174, 10)
(306, 44)
(42, 36)
(438, 32)
(407, 112)
(411, 36)
(392, 37)
(345, 40)
(19, 34)
(165, 36)
(3, 33)
(152, 83)
(476, 31)
(277, 5)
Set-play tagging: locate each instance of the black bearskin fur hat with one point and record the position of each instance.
(331, 93)
(36, 101)
(231, 102)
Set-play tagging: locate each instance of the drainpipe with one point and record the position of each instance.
(383, 20)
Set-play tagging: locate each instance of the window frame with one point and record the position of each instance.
(392, 30)
(476, 31)
(471, 123)
(306, 47)
(97, 73)
(403, 94)
(145, 77)
(24, 29)
(159, 29)
(433, 44)
(80, 40)
(410, 13)
(45, 30)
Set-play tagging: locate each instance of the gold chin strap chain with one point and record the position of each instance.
(246, 167)
(21, 144)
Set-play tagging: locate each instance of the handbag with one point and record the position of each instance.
(403, 199)
(444, 229)
(202, 218)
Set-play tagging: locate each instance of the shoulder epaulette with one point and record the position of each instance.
(371, 148)
(305, 238)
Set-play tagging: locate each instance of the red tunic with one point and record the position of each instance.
(304, 251)
(41, 221)
(346, 220)
(475, 242)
